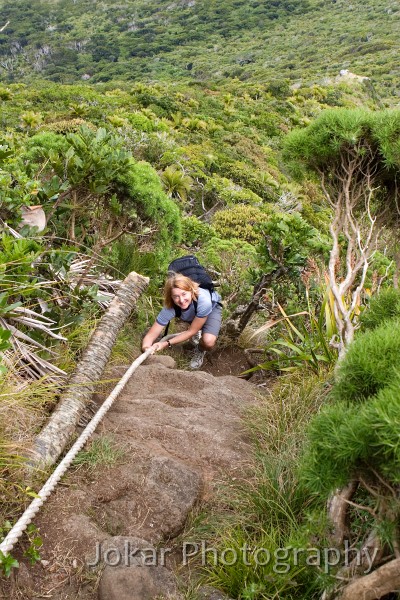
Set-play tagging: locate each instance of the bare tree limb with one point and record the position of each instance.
(350, 192)
(375, 585)
(338, 509)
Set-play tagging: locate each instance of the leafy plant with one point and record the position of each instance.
(288, 241)
(176, 183)
(304, 345)
(195, 232)
(4, 345)
(35, 543)
(7, 563)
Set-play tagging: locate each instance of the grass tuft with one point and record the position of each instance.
(101, 452)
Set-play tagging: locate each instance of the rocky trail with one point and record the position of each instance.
(180, 433)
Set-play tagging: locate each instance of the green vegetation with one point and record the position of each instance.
(355, 439)
(371, 363)
(148, 130)
(305, 341)
(381, 308)
(355, 155)
(267, 511)
(102, 452)
(239, 223)
(280, 42)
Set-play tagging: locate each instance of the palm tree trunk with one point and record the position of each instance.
(55, 436)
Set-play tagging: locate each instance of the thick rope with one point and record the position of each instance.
(15, 533)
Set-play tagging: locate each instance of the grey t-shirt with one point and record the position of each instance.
(205, 304)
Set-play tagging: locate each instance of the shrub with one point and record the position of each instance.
(371, 363)
(384, 306)
(345, 440)
(141, 122)
(195, 231)
(279, 88)
(176, 183)
(262, 184)
(117, 120)
(239, 223)
(231, 193)
(232, 260)
(5, 93)
(289, 242)
(143, 187)
(67, 126)
(38, 147)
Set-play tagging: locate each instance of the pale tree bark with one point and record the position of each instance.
(372, 552)
(351, 197)
(338, 511)
(375, 585)
(55, 436)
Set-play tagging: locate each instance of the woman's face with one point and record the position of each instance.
(181, 298)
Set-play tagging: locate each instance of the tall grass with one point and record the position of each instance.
(266, 511)
(24, 408)
(22, 413)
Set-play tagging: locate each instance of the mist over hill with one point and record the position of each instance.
(203, 40)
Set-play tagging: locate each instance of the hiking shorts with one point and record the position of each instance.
(214, 319)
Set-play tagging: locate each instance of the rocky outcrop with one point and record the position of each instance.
(133, 578)
(179, 432)
(348, 75)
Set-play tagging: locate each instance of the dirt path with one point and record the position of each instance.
(180, 432)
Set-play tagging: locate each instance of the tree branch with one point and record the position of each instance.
(375, 585)
(338, 509)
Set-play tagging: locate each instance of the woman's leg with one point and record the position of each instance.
(207, 341)
(211, 329)
(209, 336)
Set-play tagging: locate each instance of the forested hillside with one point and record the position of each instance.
(303, 41)
(135, 132)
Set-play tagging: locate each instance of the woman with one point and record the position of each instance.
(198, 307)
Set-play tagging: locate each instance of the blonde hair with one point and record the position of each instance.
(181, 282)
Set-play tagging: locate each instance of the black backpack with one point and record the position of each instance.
(190, 267)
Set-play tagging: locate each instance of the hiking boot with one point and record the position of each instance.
(196, 338)
(198, 358)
